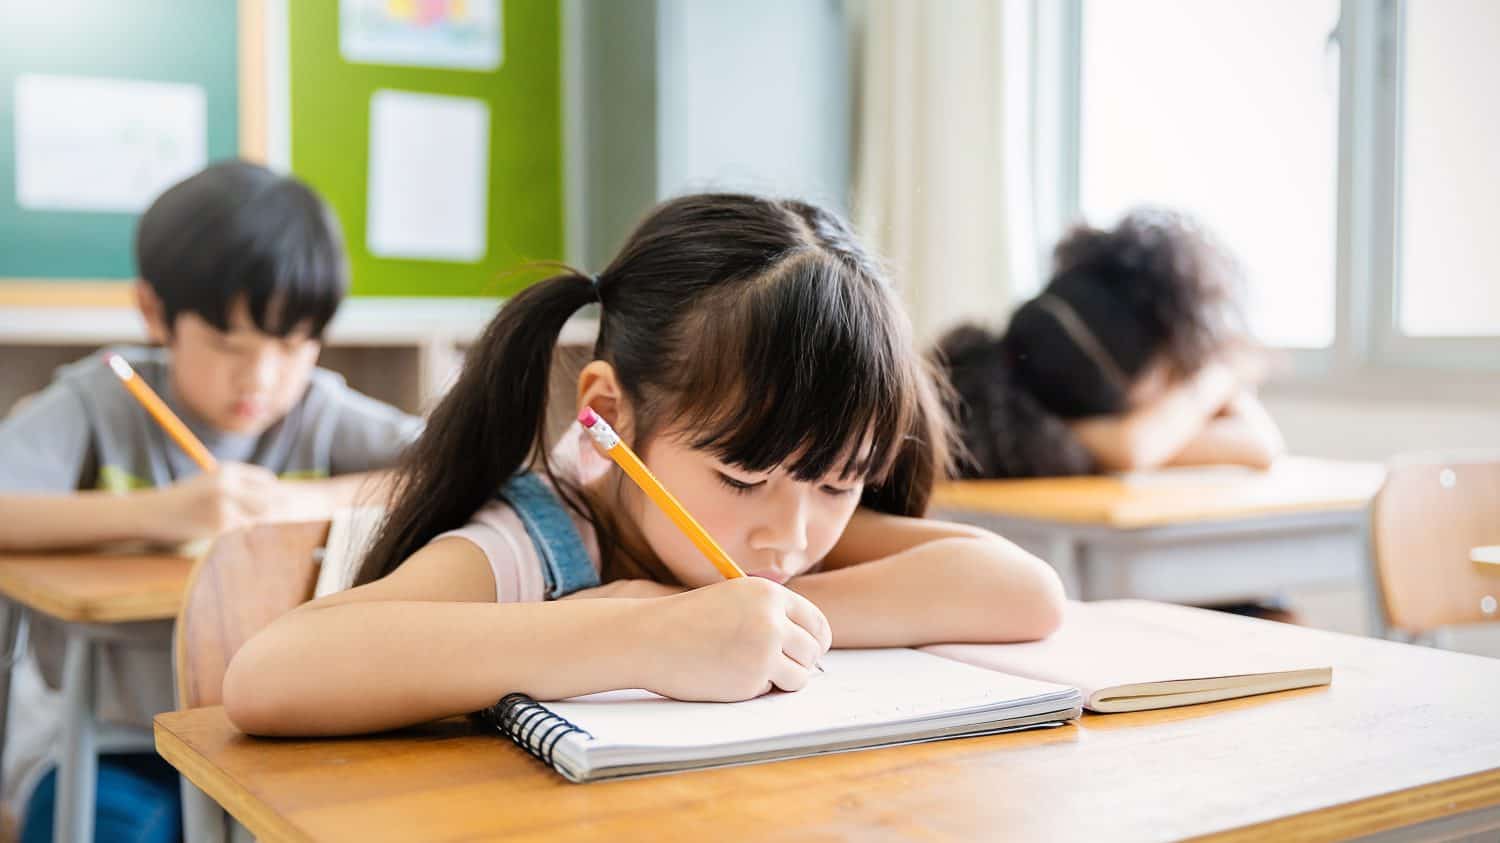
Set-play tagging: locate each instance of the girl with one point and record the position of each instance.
(752, 354)
(1133, 357)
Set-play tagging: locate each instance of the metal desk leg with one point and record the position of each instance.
(10, 630)
(203, 821)
(77, 769)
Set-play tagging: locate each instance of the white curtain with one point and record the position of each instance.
(942, 165)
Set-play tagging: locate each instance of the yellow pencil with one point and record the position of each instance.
(632, 465)
(163, 414)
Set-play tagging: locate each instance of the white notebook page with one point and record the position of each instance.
(860, 687)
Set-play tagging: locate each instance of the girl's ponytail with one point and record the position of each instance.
(492, 423)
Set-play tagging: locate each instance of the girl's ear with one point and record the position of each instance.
(599, 388)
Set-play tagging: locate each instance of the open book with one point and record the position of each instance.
(865, 699)
(1131, 655)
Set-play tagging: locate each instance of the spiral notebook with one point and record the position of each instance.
(864, 699)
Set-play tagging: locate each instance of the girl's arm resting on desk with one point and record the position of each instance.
(1151, 435)
(429, 641)
(902, 582)
(1244, 435)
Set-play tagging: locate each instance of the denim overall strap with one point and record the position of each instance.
(565, 561)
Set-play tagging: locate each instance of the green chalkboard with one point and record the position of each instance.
(330, 145)
(146, 40)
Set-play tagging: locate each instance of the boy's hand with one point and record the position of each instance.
(234, 496)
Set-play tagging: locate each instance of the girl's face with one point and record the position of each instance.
(770, 523)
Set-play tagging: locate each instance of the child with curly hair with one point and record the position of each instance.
(1133, 357)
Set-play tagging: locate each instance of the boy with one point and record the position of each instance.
(241, 270)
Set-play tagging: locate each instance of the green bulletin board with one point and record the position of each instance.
(330, 117)
(144, 40)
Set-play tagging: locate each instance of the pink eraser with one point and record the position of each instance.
(587, 417)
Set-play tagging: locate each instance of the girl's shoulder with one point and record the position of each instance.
(509, 538)
(497, 530)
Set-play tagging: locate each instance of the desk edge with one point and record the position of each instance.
(1392, 811)
(231, 796)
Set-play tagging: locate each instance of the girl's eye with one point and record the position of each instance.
(739, 486)
(837, 492)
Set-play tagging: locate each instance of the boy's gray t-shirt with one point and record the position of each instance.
(85, 431)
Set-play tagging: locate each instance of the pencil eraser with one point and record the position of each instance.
(587, 417)
(116, 362)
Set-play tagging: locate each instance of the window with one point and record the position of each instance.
(1344, 151)
(1449, 266)
(1226, 110)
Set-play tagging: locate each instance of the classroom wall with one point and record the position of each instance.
(754, 96)
(615, 54)
(685, 95)
(1377, 429)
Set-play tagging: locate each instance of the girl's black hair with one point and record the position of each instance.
(238, 229)
(1155, 287)
(759, 326)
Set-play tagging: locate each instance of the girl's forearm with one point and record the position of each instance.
(966, 589)
(369, 666)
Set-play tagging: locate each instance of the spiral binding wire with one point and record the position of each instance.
(531, 725)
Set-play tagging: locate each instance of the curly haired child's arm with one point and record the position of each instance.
(1151, 435)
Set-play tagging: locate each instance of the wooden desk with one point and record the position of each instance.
(1404, 738)
(97, 597)
(1182, 536)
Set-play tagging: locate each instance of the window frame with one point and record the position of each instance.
(1369, 356)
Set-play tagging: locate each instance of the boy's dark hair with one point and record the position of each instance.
(759, 326)
(236, 229)
(1155, 287)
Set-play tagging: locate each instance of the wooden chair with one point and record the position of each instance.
(1431, 524)
(247, 579)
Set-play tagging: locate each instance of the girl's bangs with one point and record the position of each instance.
(799, 369)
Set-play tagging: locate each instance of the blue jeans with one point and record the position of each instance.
(137, 800)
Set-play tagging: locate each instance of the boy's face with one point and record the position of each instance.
(239, 381)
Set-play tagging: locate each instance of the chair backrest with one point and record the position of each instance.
(247, 579)
(1427, 521)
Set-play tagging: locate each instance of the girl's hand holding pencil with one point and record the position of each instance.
(777, 636)
(730, 641)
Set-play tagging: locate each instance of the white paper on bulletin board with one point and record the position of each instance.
(455, 34)
(429, 177)
(97, 144)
